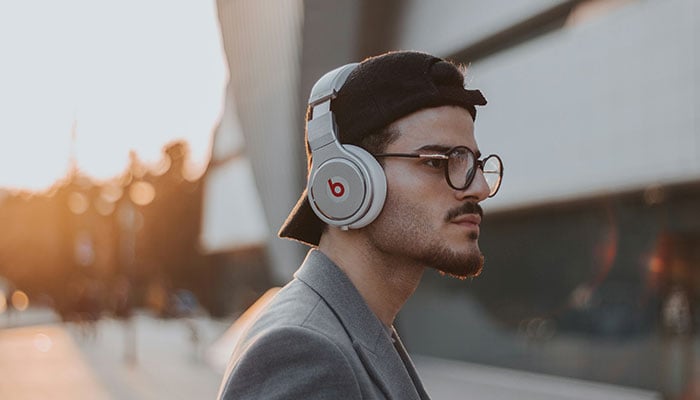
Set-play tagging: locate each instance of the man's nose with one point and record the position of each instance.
(478, 190)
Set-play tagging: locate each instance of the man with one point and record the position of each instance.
(394, 188)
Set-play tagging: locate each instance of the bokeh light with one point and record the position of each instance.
(42, 342)
(3, 301)
(103, 206)
(78, 203)
(142, 193)
(20, 300)
(111, 193)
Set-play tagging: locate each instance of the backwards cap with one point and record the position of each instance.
(379, 91)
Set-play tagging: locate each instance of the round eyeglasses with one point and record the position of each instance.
(460, 165)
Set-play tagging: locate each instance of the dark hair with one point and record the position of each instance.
(377, 142)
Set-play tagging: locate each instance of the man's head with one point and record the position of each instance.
(410, 103)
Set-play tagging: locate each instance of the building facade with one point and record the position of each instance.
(593, 267)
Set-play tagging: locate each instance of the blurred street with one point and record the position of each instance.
(167, 361)
(66, 361)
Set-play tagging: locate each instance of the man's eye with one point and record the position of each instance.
(436, 163)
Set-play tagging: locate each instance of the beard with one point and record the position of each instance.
(469, 265)
(460, 265)
(401, 232)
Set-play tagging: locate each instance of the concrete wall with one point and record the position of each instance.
(262, 40)
(446, 27)
(605, 106)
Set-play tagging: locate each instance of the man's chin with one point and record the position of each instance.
(464, 272)
(461, 265)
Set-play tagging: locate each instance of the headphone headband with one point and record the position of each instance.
(321, 127)
(327, 87)
(346, 186)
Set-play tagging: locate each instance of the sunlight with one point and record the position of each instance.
(121, 75)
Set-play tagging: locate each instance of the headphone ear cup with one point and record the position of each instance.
(337, 190)
(347, 189)
(375, 182)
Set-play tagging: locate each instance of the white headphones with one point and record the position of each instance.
(347, 186)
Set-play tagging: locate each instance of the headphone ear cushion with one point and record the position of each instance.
(376, 185)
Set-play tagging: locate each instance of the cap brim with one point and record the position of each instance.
(302, 224)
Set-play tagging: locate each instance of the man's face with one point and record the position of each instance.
(424, 220)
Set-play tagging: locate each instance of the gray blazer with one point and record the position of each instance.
(318, 339)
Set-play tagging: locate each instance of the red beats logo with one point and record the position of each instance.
(337, 188)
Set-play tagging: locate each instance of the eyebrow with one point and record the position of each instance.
(443, 149)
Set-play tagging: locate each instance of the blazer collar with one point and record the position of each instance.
(371, 339)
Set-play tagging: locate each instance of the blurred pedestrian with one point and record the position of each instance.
(186, 307)
(122, 309)
(89, 308)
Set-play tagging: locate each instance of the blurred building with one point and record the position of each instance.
(76, 243)
(592, 262)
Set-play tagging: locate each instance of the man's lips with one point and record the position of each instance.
(467, 208)
(467, 220)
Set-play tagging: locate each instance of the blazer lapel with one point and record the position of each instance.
(387, 370)
(370, 338)
(409, 366)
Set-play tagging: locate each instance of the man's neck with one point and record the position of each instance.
(384, 281)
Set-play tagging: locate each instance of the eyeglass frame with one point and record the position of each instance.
(478, 164)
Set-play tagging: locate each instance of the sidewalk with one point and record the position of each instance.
(168, 363)
(63, 361)
(43, 362)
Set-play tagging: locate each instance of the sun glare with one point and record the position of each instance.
(98, 79)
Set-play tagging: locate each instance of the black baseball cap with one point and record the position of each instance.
(381, 90)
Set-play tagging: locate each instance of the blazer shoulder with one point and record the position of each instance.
(291, 362)
(299, 305)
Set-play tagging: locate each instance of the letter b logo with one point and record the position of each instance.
(337, 189)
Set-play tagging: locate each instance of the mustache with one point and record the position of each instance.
(466, 208)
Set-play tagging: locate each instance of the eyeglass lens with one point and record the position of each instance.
(493, 168)
(461, 169)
